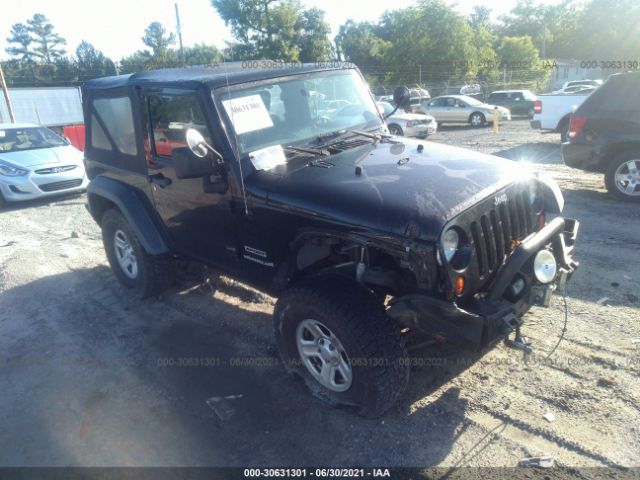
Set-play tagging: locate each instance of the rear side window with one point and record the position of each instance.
(112, 124)
(497, 96)
(618, 94)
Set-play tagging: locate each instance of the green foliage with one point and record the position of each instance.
(520, 57)
(47, 44)
(275, 29)
(156, 38)
(21, 40)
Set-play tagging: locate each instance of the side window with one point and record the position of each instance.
(117, 117)
(170, 117)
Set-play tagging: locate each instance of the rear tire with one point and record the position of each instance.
(3, 202)
(144, 274)
(564, 132)
(396, 130)
(622, 177)
(340, 325)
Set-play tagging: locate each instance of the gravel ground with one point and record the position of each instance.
(86, 375)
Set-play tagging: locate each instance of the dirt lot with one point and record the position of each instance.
(87, 376)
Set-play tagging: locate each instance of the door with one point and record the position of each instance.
(460, 111)
(438, 109)
(201, 225)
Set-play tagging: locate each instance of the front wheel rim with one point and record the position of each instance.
(125, 254)
(323, 355)
(627, 178)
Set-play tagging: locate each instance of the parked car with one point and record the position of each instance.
(519, 102)
(35, 162)
(330, 214)
(583, 89)
(462, 109)
(604, 135)
(552, 112)
(408, 124)
(581, 83)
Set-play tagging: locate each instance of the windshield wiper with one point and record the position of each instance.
(311, 151)
(331, 135)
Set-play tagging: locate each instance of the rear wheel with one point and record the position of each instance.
(334, 334)
(143, 273)
(564, 132)
(396, 130)
(622, 178)
(477, 120)
(2, 201)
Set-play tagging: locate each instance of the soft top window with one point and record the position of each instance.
(113, 117)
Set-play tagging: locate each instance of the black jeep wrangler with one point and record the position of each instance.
(287, 179)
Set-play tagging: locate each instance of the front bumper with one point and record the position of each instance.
(421, 131)
(484, 319)
(33, 185)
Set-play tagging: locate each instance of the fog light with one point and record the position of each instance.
(544, 266)
(517, 287)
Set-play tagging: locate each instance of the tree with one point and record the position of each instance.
(21, 37)
(519, 50)
(358, 42)
(479, 17)
(47, 44)
(275, 29)
(201, 54)
(91, 62)
(313, 40)
(156, 38)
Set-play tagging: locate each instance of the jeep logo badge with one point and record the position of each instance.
(498, 199)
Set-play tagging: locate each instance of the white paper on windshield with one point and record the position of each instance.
(267, 158)
(247, 113)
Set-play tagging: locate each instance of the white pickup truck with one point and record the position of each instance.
(552, 112)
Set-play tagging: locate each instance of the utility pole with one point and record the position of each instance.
(3, 85)
(179, 30)
(504, 77)
(544, 38)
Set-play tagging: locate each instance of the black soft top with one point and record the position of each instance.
(212, 76)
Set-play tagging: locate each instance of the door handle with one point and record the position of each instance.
(159, 180)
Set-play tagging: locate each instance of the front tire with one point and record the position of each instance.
(477, 120)
(622, 178)
(334, 334)
(144, 274)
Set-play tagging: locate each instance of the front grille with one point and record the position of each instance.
(55, 186)
(47, 171)
(498, 232)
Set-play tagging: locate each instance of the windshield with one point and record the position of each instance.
(30, 138)
(298, 109)
(470, 100)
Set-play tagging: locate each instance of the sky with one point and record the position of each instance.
(116, 26)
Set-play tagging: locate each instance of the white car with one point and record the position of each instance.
(408, 124)
(579, 83)
(35, 163)
(463, 109)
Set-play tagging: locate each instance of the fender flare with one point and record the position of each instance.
(132, 206)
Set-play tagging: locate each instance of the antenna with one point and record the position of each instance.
(235, 135)
(179, 30)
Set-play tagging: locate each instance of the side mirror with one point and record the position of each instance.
(402, 97)
(196, 142)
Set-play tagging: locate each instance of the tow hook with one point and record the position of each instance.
(519, 342)
(512, 325)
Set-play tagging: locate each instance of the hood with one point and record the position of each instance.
(64, 155)
(398, 185)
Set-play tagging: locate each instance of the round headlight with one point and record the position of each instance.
(544, 266)
(450, 241)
